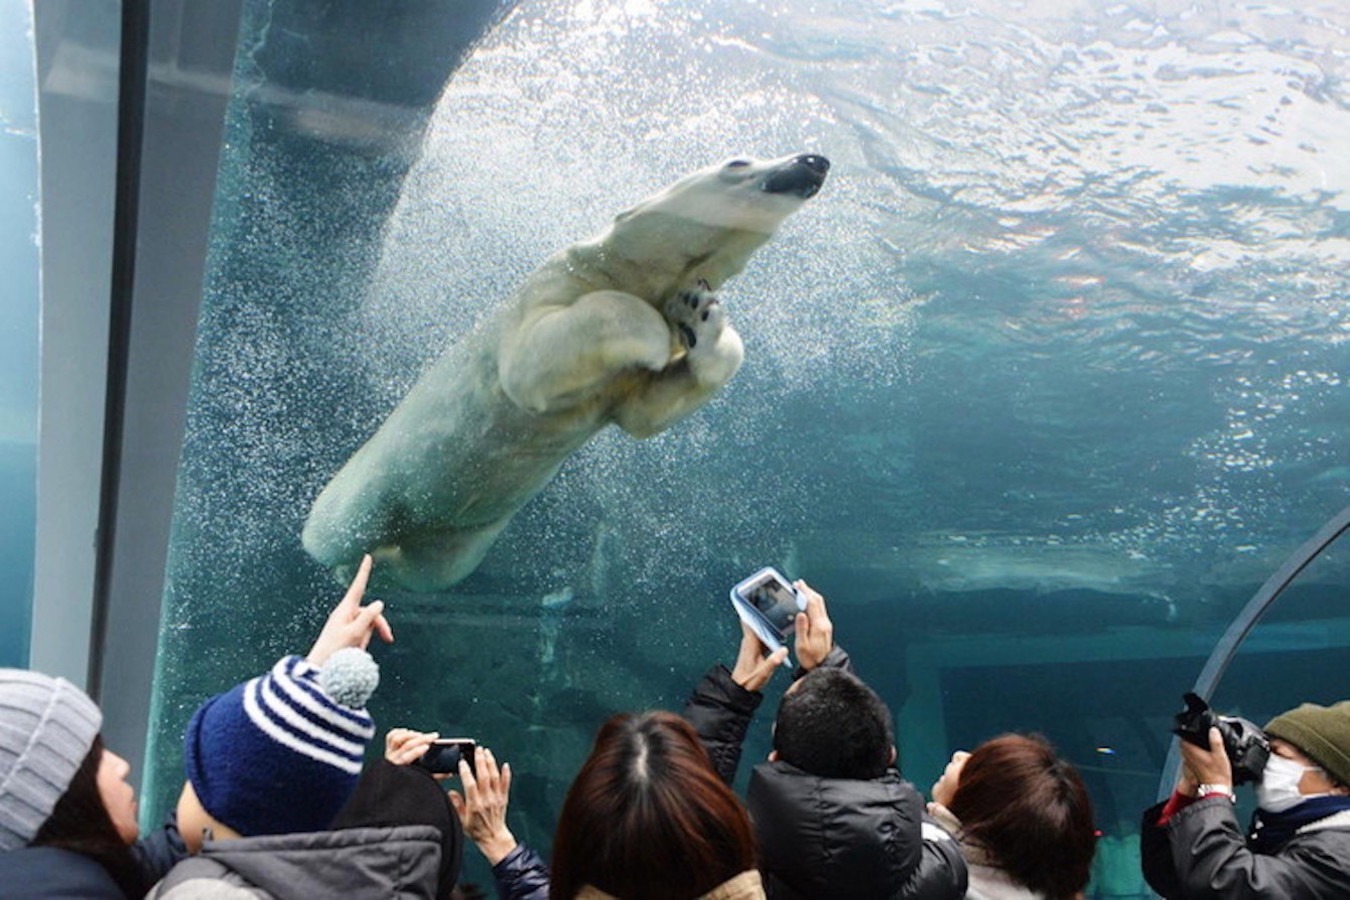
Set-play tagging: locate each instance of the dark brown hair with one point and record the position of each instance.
(1028, 809)
(648, 817)
(80, 823)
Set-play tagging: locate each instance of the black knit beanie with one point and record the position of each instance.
(388, 796)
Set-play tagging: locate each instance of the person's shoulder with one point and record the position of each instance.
(1333, 831)
(1339, 821)
(204, 887)
(887, 798)
(29, 873)
(1323, 845)
(195, 877)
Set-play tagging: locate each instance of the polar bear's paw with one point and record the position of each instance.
(698, 317)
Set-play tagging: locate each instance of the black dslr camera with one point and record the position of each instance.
(1246, 746)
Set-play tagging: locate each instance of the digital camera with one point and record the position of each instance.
(768, 603)
(1246, 745)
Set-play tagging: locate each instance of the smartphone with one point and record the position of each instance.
(768, 603)
(444, 754)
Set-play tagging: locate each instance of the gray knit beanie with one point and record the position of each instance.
(1321, 732)
(47, 726)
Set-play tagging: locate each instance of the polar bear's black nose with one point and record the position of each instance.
(800, 176)
(815, 163)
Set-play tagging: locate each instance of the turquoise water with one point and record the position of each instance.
(1038, 390)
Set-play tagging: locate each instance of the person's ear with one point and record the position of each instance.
(894, 755)
(196, 825)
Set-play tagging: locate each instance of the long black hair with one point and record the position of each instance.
(81, 823)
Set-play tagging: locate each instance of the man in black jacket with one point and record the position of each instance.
(832, 814)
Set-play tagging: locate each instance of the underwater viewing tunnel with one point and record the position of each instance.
(1044, 385)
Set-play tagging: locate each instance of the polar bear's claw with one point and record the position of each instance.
(697, 315)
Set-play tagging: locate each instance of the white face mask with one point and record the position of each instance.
(1278, 790)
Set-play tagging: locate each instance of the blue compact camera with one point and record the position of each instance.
(768, 603)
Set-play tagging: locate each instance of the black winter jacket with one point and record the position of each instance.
(1201, 853)
(826, 837)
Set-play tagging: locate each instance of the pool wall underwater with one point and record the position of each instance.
(1037, 391)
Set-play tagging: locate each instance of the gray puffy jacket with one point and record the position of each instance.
(399, 863)
(1201, 854)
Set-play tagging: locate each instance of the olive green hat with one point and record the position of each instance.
(1321, 732)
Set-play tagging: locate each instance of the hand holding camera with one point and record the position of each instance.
(769, 605)
(1217, 749)
(427, 749)
(815, 631)
(771, 608)
(753, 669)
(487, 787)
(403, 746)
(482, 806)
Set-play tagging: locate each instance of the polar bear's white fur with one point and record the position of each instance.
(623, 328)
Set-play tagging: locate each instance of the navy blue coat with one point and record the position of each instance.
(31, 873)
(522, 875)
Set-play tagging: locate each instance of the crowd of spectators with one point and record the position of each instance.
(279, 799)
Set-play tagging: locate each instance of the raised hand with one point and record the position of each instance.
(753, 669)
(482, 806)
(1201, 766)
(403, 746)
(350, 624)
(814, 630)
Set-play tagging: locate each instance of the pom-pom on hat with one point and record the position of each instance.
(281, 753)
(1321, 732)
(47, 726)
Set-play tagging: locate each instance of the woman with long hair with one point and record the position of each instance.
(1023, 819)
(646, 817)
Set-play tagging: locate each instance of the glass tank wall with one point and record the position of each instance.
(19, 200)
(1037, 391)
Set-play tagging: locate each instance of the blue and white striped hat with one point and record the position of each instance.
(281, 753)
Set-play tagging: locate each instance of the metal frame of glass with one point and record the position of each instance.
(124, 228)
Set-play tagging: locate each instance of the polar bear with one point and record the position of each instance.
(623, 328)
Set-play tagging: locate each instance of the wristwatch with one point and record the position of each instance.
(1205, 790)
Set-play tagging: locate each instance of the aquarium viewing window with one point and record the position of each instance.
(1043, 380)
(19, 337)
